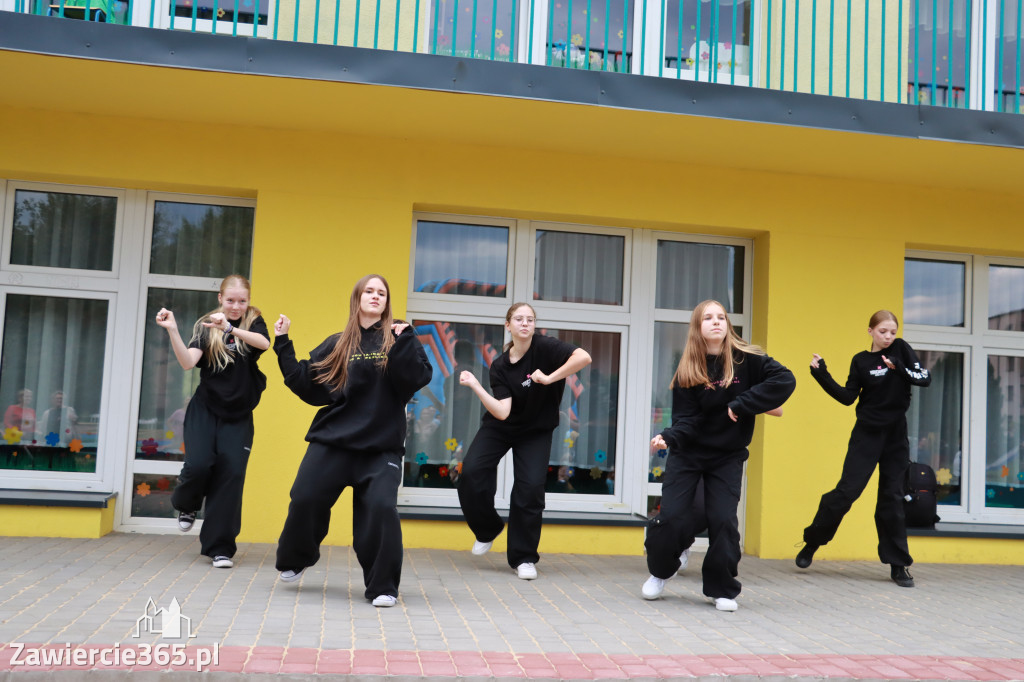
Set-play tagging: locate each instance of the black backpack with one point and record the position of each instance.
(919, 501)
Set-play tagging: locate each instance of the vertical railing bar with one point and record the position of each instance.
(951, 90)
(529, 37)
(568, 34)
(60, 10)
(472, 30)
(849, 27)
(881, 85)
(513, 20)
(316, 22)
(715, 19)
(494, 24)
(358, 20)
(831, 43)
(195, 14)
(796, 47)
(437, 18)
(768, 49)
(661, 41)
(917, 52)
(967, 58)
(999, 60)
(398, 19)
(376, 25)
(814, 42)
(337, 22)
(867, 21)
(732, 48)
(679, 41)
(900, 81)
(984, 53)
(586, 40)
(1016, 82)
(551, 34)
(625, 34)
(782, 48)
(935, 55)
(234, 18)
(88, 10)
(696, 64)
(152, 12)
(277, 15)
(607, 27)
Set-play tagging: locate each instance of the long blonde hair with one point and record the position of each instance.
(693, 365)
(217, 354)
(333, 369)
(882, 316)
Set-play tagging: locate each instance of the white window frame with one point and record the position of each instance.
(57, 275)
(977, 342)
(147, 281)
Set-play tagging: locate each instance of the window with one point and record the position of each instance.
(63, 230)
(462, 259)
(590, 35)
(475, 28)
(963, 316)
(578, 267)
(707, 41)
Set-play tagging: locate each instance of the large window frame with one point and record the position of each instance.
(633, 320)
(976, 342)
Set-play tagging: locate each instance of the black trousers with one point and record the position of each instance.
(673, 529)
(374, 477)
(478, 484)
(216, 456)
(888, 448)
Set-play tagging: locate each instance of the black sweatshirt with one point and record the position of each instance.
(534, 406)
(884, 393)
(700, 414)
(368, 414)
(233, 392)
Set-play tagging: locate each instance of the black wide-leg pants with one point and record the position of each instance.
(888, 448)
(672, 530)
(374, 477)
(478, 485)
(216, 457)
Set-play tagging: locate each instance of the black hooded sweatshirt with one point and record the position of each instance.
(368, 414)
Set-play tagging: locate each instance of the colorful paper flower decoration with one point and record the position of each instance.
(943, 476)
(1020, 477)
(990, 493)
(595, 473)
(421, 458)
(1004, 472)
(568, 442)
(150, 446)
(570, 472)
(12, 434)
(663, 453)
(169, 435)
(600, 456)
(142, 489)
(52, 438)
(451, 444)
(656, 472)
(442, 471)
(75, 445)
(163, 484)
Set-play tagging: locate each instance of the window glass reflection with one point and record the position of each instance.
(578, 268)
(933, 292)
(724, 38)
(61, 230)
(689, 273)
(451, 258)
(201, 240)
(1004, 433)
(669, 341)
(935, 419)
(1006, 298)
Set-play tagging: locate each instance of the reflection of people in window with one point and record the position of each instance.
(59, 423)
(20, 415)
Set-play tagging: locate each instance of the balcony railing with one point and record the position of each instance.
(952, 53)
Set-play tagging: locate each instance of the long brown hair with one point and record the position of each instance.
(333, 369)
(217, 355)
(508, 320)
(693, 365)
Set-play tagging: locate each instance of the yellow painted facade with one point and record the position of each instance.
(57, 522)
(337, 170)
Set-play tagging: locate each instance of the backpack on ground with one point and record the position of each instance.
(919, 499)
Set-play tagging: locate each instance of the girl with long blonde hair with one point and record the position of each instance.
(361, 379)
(720, 385)
(218, 429)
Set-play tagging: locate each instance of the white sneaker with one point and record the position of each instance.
(725, 604)
(384, 600)
(291, 576)
(653, 588)
(481, 548)
(526, 571)
(222, 562)
(684, 560)
(185, 521)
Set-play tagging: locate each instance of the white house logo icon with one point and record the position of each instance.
(168, 623)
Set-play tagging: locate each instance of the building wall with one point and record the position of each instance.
(332, 205)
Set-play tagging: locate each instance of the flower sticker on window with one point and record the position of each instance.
(600, 456)
(1004, 472)
(595, 473)
(12, 434)
(52, 438)
(75, 445)
(163, 483)
(442, 471)
(943, 476)
(421, 458)
(169, 435)
(656, 472)
(499, 34)
(663, 453)
(150, 447)
(142, 489)
(451, 444)
(577, 39)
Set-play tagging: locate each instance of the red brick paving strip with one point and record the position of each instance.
(567, 666)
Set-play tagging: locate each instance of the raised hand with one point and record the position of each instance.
(165, 318)
(282, 325)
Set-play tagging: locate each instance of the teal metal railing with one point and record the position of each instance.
(953, 53)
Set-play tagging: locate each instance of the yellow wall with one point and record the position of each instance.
(56, 522)
(332, 205)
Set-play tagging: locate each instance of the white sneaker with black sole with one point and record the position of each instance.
(223, 562)
(185, 521)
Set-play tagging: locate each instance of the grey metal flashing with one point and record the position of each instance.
(279, 58)
(56, 498)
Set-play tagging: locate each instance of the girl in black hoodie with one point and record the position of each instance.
(362, 378)
(880, 380)
(720, 385)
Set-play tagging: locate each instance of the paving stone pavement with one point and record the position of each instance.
(466, 617)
